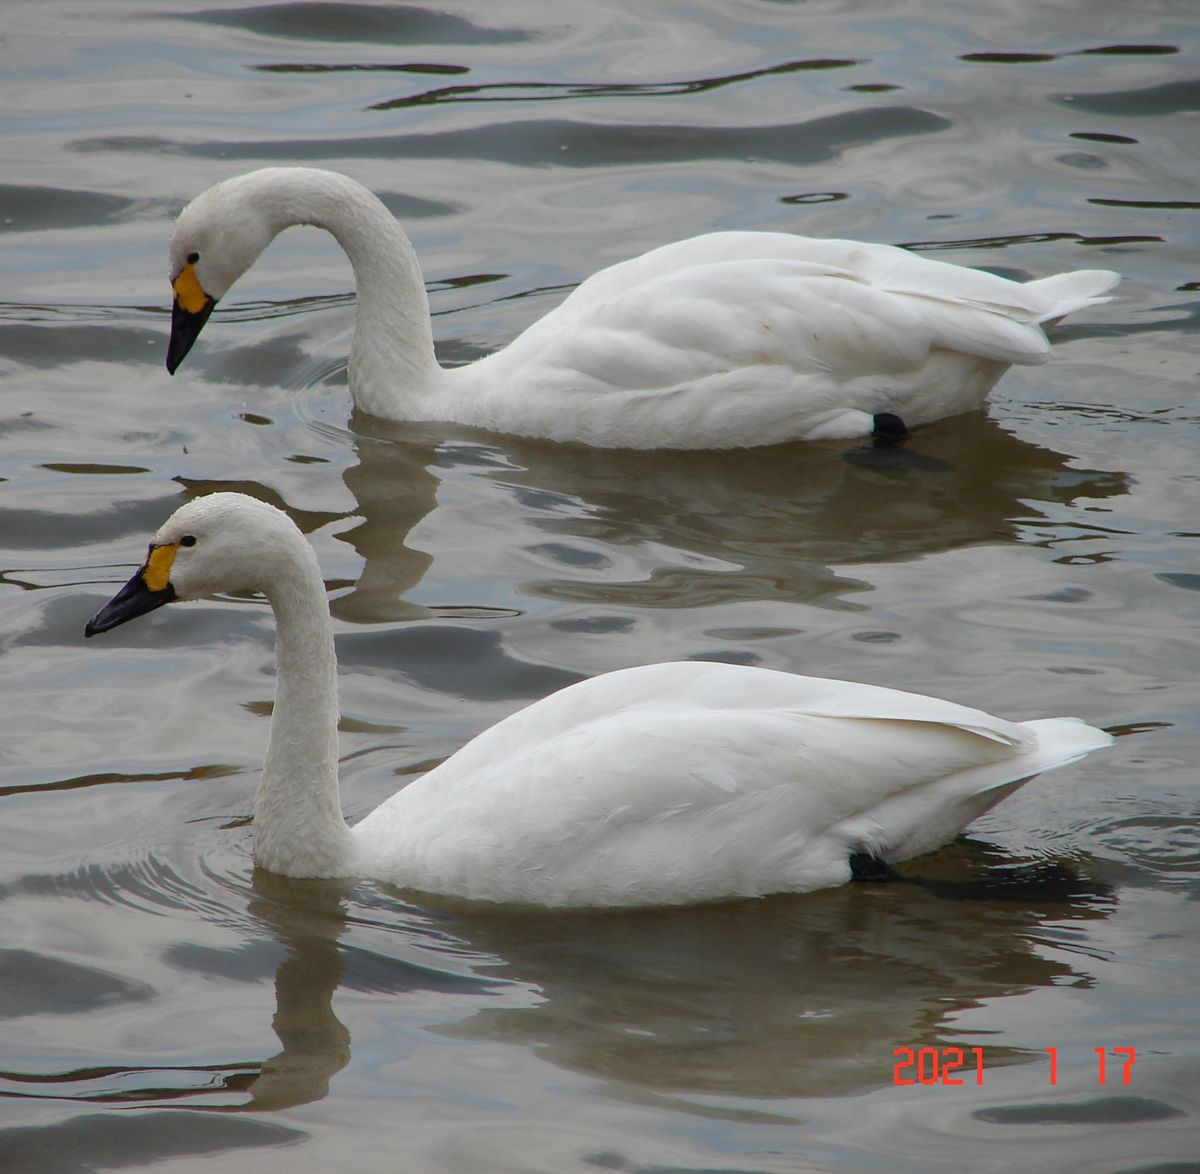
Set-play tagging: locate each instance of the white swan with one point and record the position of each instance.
(722, 341)
(665, 784)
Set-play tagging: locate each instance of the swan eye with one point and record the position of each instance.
(193, 258)
(188, 540)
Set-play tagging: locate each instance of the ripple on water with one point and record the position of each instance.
(148, 884)
(1166, 845)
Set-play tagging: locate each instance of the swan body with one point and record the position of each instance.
(664, 784)
(726, 340)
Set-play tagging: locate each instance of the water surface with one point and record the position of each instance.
(163, 1004)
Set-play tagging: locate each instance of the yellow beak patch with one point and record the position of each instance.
(156, 574)
(189, 293)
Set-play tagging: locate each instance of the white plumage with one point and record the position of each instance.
(722, 341)
(664, 784)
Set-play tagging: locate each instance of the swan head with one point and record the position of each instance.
(217, 237)
(218, 543)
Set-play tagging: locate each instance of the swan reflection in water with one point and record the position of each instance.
(729, 1009)
(667, 530)
(771, 999)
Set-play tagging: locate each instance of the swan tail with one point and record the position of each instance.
(1063, 740)
(979, 314)
(1067, 292)
(923, 818)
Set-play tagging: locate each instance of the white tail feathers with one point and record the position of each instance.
(1061, 740)
(1067, 292)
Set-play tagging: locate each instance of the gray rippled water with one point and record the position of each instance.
(165, 1007)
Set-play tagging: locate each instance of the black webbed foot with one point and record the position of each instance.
(865, 867)
(889, 430)
(888, 451)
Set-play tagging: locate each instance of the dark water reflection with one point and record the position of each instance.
(819, 140)
(772, 523)
(387, 24)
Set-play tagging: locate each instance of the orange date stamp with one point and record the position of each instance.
(960, 1066)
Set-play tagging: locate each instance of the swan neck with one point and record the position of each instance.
(299, 829)
(392, 359)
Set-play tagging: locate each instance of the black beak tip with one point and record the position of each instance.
(185, 329)
(133, 600)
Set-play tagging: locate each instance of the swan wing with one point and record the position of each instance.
(687, 782)
(724, 354)
(884, 268)
(751, 338)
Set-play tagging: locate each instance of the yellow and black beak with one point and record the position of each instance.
(149, 588)
(189, 313)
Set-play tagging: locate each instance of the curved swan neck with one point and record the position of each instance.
(298, 824)
(392, 356)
